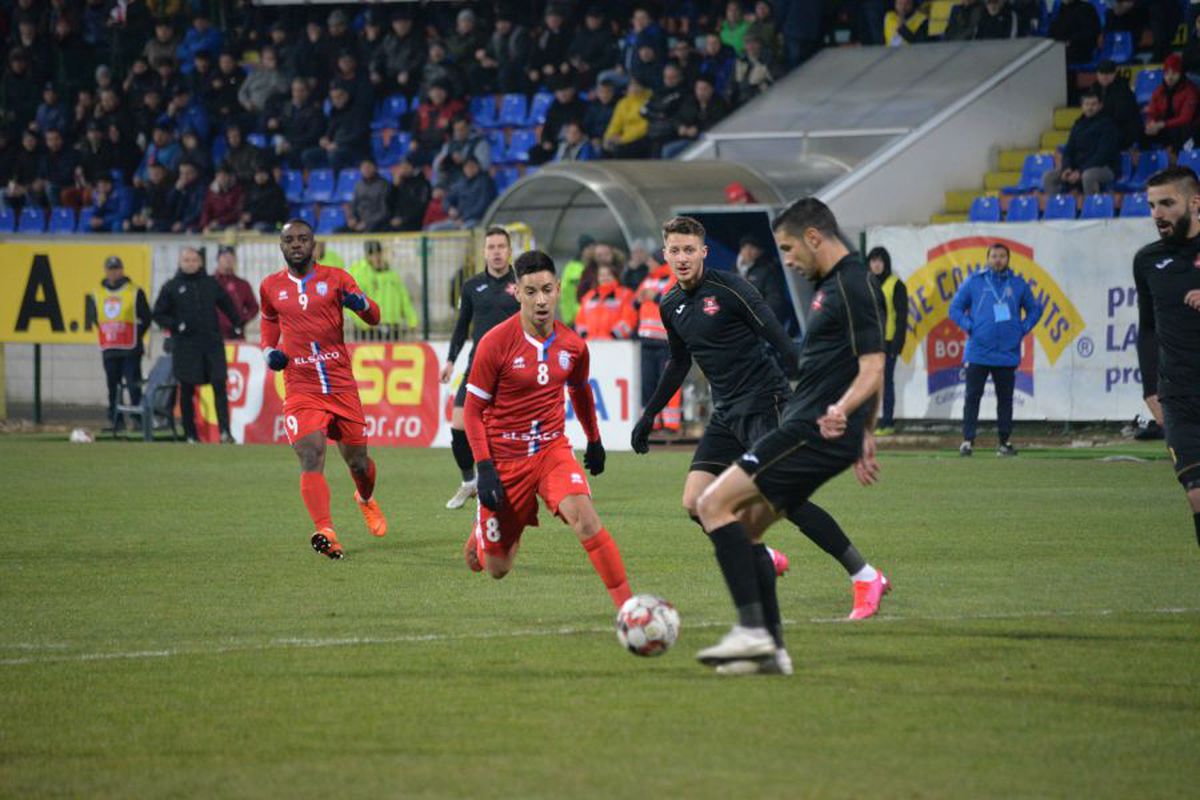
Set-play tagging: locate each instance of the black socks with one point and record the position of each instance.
(462, 453)
(815, 523)
(736, 557)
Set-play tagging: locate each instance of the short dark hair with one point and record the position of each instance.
(498, 230)
(807, 212)
(1176, 174)
(532, 261)
(1000, 246)
(297, 221)
(685, 226)
(1091, 93)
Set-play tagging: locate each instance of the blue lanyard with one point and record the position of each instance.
(991, 287)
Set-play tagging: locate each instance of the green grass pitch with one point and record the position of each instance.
(167, 632)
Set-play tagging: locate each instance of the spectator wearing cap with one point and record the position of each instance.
(566, 106)
(137, 82)
(341, 38)
(265, 208)
(370, 38)
(368, 210)
(18, 92)
(439, 68)
(625, 136)
(704, 109)
(347, 134)
(378, 281)
(155, 215)
(362, 94)
(469, 197)
(997, 21)
(1171, 112)
(754, 72)
(164, 44)
(736, 194)
(642, 29)
(593, 49)
(240, 292)
(226, 85)
(1118, 103)
(397, 64)
(717, 62)
(187, 199)
(298, 125)
(409, 199)
(263, 88)
(432, 123)
(549, 51)
(51, 113)
(466, 38)
(500, 66)
(222, 206)
(600, 110)
(202, 80)
(200, 36)
(163, 149)
(313, 57)
(56, 168)
(1091, 157)
(120, 313)
(464, 142)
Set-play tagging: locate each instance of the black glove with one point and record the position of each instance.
(593, 457)
(276, 359)
(640, 440)
(355, 301)
(488, 485)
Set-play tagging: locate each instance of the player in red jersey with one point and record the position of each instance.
(304, 303)
(515, 420)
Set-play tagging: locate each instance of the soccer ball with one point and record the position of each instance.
(647, 625)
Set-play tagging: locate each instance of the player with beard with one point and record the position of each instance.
(1167, 276)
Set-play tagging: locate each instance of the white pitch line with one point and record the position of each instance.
(418, 638)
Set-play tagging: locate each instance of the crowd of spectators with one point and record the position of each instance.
(185, 115)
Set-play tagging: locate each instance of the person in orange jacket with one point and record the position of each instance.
(606, 312)
(653, 336)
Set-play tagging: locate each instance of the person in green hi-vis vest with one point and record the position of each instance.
(568, 301)
(397, 316)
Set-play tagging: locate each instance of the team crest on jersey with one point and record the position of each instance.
(576, 477)
(322, 288)
(519, 362)
(112, 307)
(817, 300)
(283, 294)
(564, 359)
(511, 288)
(710, 306)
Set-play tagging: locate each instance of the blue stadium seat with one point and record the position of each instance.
(520, 143)
(32, 220)
(346, 181)
(499, 146)
(1149, 162)
(483, 111)
(62, 220)
(505, 177)
(1190, 159)
(538, 108)
(1060, 206)
(293, 185)
(514, 108)
(1145, 83)
(8, 221)
(984, 209)
(320, 186)
(84, 225)
(1117, 46)
(1036, 165)
(307, 213)
(332, 218)
(1097, 206)
(1022, 209)
(258, 140)
(1126, 171)
(389, 112)
(1135, 205)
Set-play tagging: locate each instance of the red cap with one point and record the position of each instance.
(735, 192)
(1173, 63)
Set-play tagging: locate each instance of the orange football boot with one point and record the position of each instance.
(325, 542)
(373, 514)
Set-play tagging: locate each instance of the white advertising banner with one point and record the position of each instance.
(1079, 363)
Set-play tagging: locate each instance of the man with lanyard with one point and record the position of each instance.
(487, 299)
(121, 313)
(988, 308)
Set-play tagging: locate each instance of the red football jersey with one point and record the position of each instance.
(308, 314)
(522, 380)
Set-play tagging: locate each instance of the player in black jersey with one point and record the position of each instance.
(1167, 276)
(826, 428)
(487, 299)
(719, 319)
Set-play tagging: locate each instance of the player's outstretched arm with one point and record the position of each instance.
(488, 483)
(673, 375)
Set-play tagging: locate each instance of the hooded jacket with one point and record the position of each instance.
(994, 342)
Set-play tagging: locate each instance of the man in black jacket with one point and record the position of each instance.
(187, 308)
(566, 106)
(1092, 154)
(1078, 25)
(1118, 103)
(347, 135)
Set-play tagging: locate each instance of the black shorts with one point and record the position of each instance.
(790, 463)
(1181, 419)
(460, 397)
(727, 436)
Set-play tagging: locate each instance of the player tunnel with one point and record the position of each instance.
(620, 201)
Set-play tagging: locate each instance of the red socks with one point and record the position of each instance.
(606, 560)
(315, 492)
(365, 483)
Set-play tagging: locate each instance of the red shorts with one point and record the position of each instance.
(552, 474)
(339, 416)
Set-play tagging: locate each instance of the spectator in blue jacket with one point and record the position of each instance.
(988, 306)
(202, 36)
